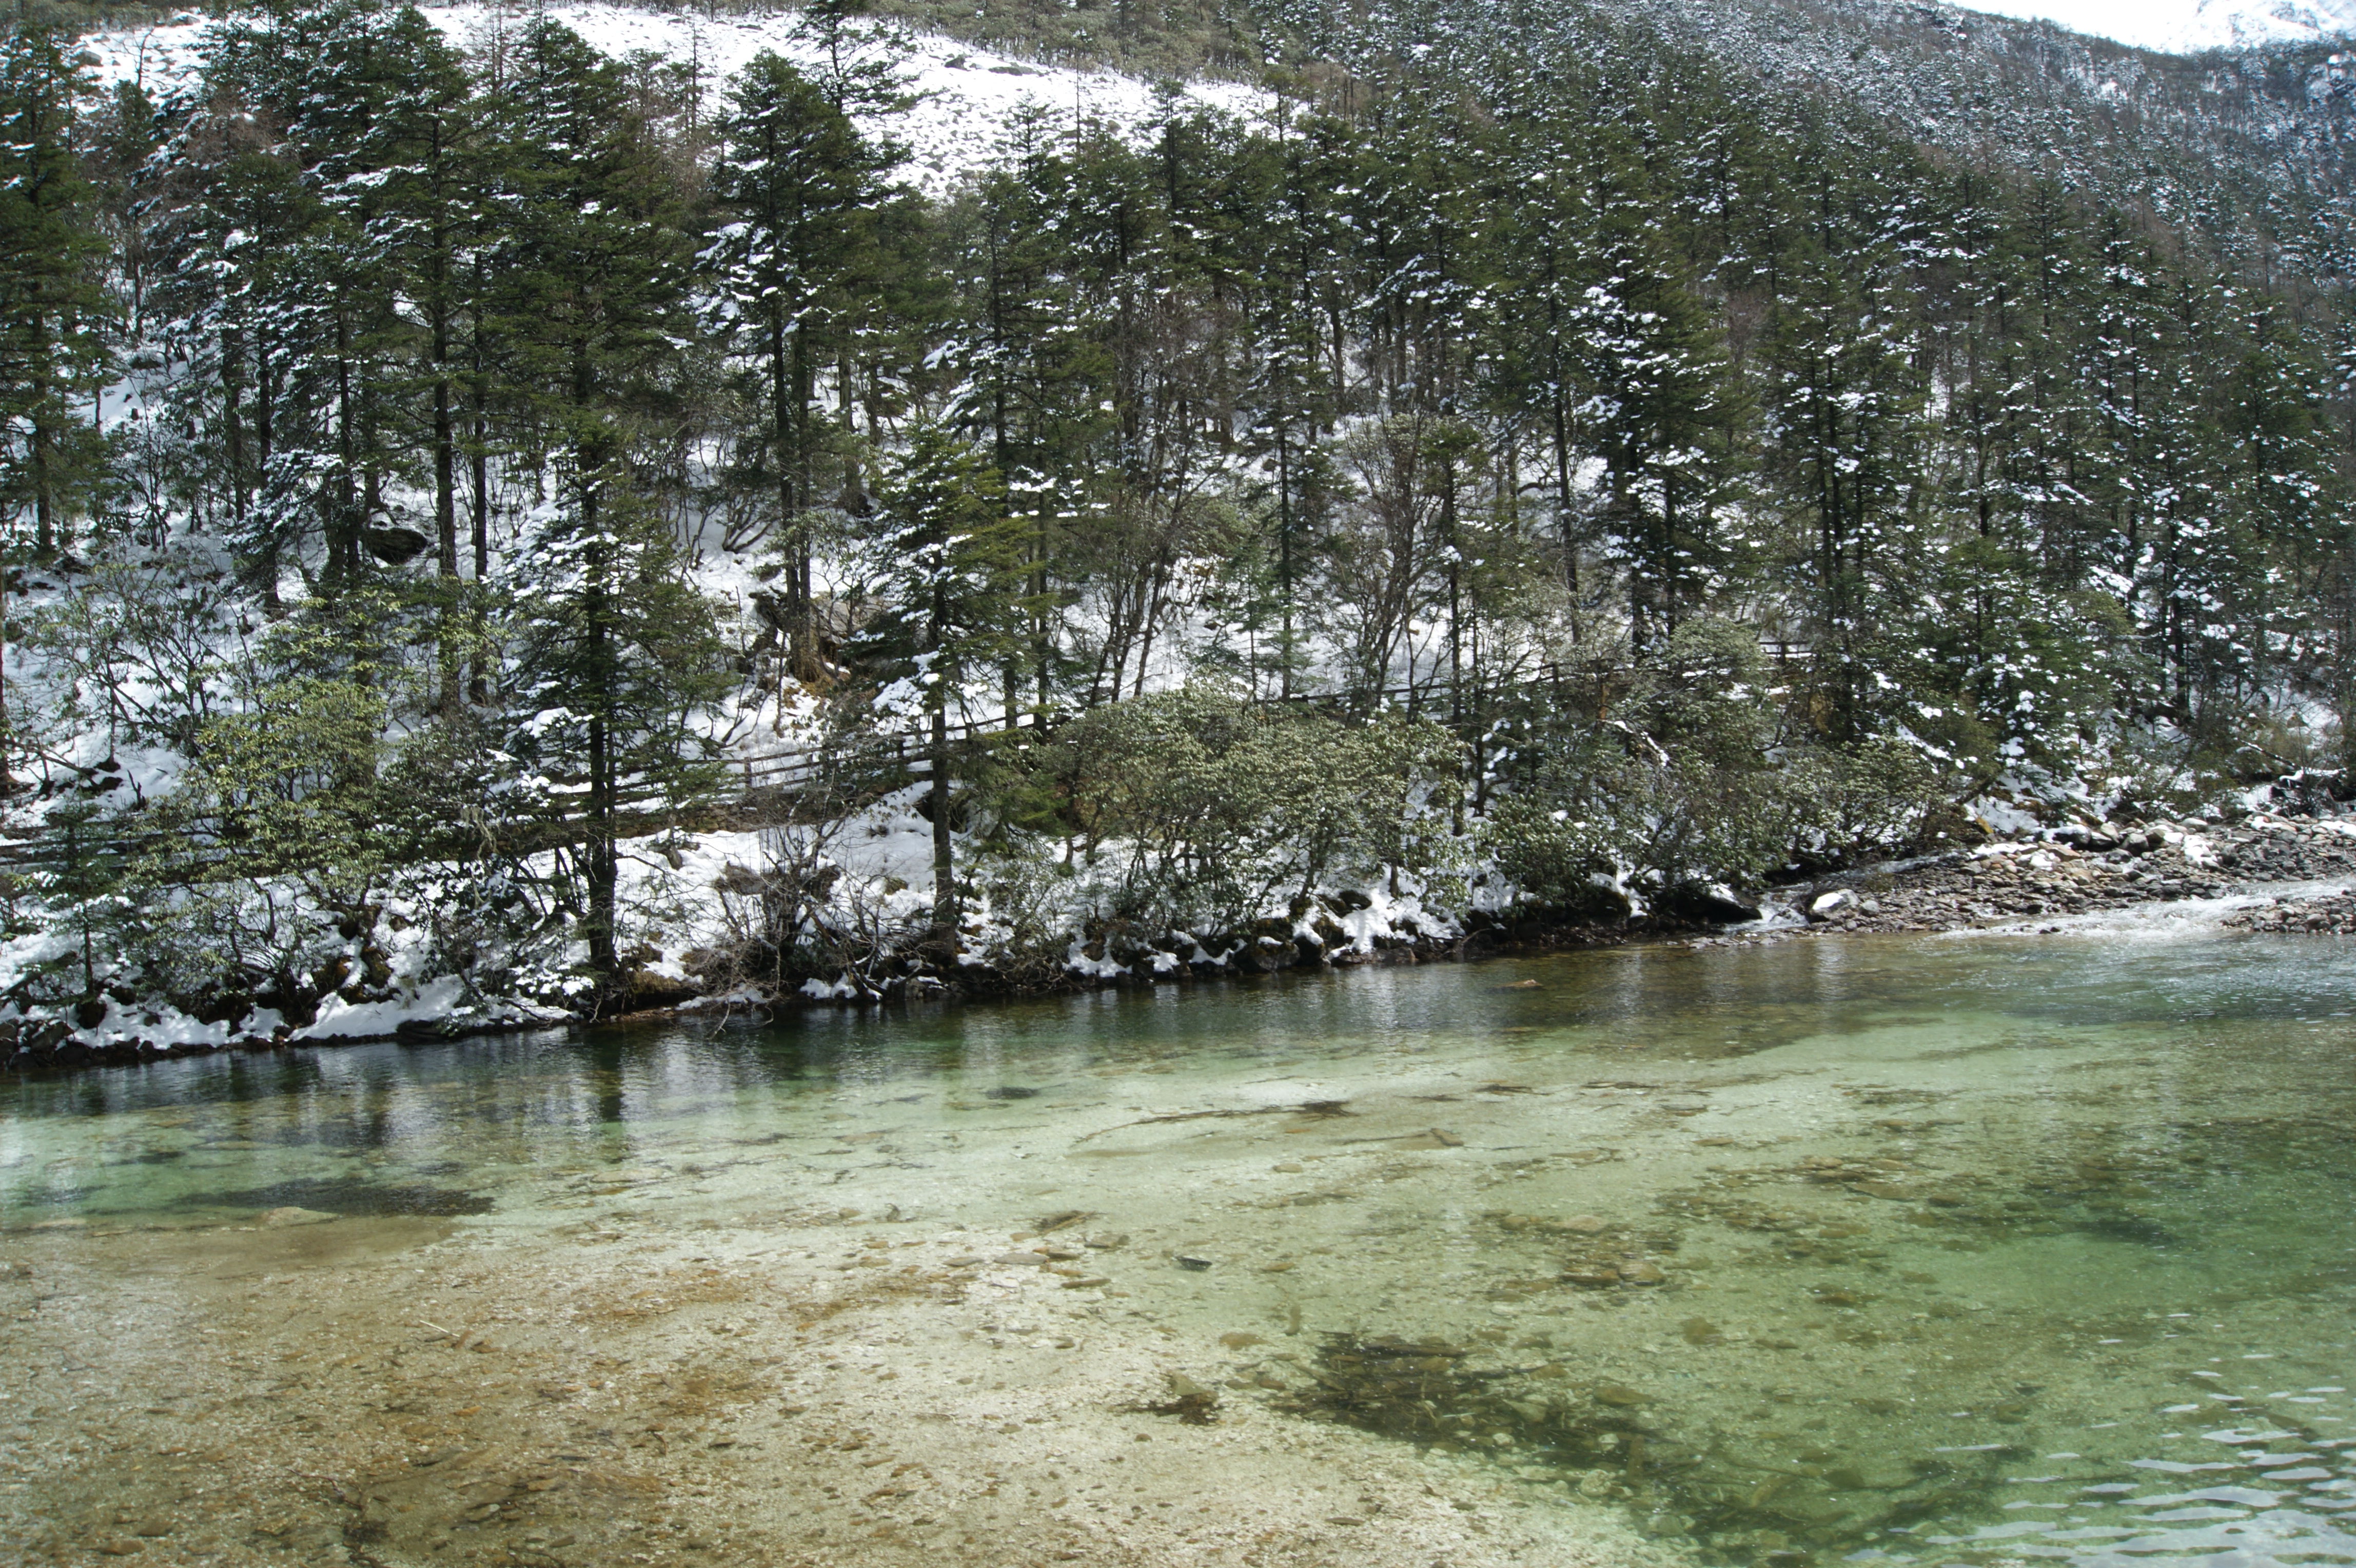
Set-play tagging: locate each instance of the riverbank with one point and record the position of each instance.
(2294, 864)
(2299, 865)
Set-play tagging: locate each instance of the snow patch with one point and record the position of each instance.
(340, 1020)
(966, 96)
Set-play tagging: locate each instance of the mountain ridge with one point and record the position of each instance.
(2195, 28)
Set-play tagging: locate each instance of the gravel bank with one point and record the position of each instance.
(2069, 873)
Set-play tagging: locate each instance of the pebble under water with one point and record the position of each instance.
(1971, 1250)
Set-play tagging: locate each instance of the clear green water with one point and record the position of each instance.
(1969, 1249)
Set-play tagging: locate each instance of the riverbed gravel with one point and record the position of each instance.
(795, 1391)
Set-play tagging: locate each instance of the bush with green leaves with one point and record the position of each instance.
(305, 825)
(1196, 809)
(1685, 769)
(1875, 796)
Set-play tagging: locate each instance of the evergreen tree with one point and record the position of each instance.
(591, 307)
(54, 315)
(947, 565)
(1661, 413)
(791, 190)
(55, 343)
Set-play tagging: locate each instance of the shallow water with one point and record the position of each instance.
(1963, 1250)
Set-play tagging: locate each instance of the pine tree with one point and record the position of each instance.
(1844, 409)
(54, 315)
(55, 344)
(1298, 244)
(430, 209)
(1660, 409)
(592, 308)
(1024, 357)
(791, 192)
(948, 567)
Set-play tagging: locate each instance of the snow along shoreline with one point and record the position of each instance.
(2268, 873)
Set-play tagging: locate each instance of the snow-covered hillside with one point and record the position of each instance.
(2188, 27)
(965, 96)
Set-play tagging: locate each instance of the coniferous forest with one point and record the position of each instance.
(455, 482)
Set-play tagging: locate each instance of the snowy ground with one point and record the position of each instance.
(964, 96)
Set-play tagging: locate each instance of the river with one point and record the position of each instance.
(1966, 1250)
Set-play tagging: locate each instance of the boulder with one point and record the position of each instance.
(647, 989)
(1831, 905)
(2313, 792)
(1710, 904)
(395, 546)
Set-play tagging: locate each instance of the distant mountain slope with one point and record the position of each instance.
(2252, 147)
(2250, 141)
(2188, 27)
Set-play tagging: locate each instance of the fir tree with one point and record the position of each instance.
(55, 342)
(791, 192)
(54, 315)
(592, 304)
(948, 565)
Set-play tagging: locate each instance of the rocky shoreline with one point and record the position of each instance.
(2028, 884)
(2333, 915)
(2023, 885)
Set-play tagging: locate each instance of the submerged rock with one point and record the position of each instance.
(1189, 1400)
(289, 1214)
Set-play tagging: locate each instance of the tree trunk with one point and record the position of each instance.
(344, 523)
(232, 376)
(945, 899)
(1562, 495)
(44, 539)
(1447, 525)
(479, 458)
(445, 495)
(263, 433)
(1284, 555)
(603, 869)
(7, 781)
(603, 862)
(786, 446)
